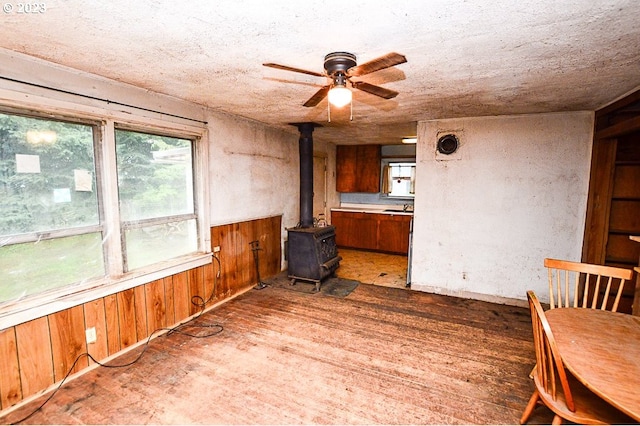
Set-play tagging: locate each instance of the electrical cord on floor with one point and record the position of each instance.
(198, 301)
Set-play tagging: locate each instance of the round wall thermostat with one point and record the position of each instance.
(447, 144)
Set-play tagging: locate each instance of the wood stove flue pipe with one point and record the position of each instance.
(306, 173)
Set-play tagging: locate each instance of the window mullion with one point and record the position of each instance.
(107, 169)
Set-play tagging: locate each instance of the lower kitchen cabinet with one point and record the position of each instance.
(387, 233)
(355, 230)
(393, 233)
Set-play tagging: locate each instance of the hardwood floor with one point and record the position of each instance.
(378, 356)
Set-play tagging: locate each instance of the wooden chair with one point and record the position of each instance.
(584, 285)
(557, 388)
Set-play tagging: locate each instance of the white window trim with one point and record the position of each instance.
(18, 312)
(387, 162)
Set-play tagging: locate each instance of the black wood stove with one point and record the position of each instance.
(311, 250)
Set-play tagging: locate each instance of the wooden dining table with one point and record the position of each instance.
(602, 350)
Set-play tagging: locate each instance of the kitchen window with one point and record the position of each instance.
(398, 178)
(82, 210)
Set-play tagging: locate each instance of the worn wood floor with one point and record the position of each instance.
(378, 356)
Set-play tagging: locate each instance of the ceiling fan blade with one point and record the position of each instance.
(317, 97)
(375, 90)
(386, 61)
(286, 68)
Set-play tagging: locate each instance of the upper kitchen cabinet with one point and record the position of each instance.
(358, 168)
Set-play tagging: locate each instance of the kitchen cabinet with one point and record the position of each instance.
(393, 233)
(358, 168)
(355, 230)
(382, 232)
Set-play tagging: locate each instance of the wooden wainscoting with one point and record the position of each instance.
(39, 353)
(236, 256)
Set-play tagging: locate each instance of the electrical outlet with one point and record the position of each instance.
(216, 249)
(91, 335)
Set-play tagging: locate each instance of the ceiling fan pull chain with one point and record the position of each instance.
(329, 112)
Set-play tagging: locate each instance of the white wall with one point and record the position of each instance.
(253, 172)
(514, 193)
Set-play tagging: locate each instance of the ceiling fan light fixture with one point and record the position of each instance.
(339, 96)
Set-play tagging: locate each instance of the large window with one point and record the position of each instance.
(50, 227)
(57, 217)
(155, 185)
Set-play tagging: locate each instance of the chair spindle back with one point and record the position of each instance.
(585, 285)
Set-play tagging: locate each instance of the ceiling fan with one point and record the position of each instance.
(340, 67)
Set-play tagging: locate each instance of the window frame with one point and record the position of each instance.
(387, 162)
(116, 279)
(128, 225)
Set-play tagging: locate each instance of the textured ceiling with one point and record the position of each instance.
(465, 58)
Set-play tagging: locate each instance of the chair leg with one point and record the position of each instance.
(533, 401)
(557, 420)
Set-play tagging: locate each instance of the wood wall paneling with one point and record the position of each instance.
(140, 311)
(10, 391)
(208, 276)
(156, 307)
(68, 341)
(224, 237)
(95, 316)
(236, 257)
(113, 323)
(195, 277)
(181, 296)
(127, 317)
(246, 234)
(170, 307)
(34, 356)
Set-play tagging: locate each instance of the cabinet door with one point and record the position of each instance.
(340, 222)
(393, 233)
(358, 168)
(368, 168)
(346, 165)
(355, 230)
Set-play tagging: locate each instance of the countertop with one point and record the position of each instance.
(390, 209)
